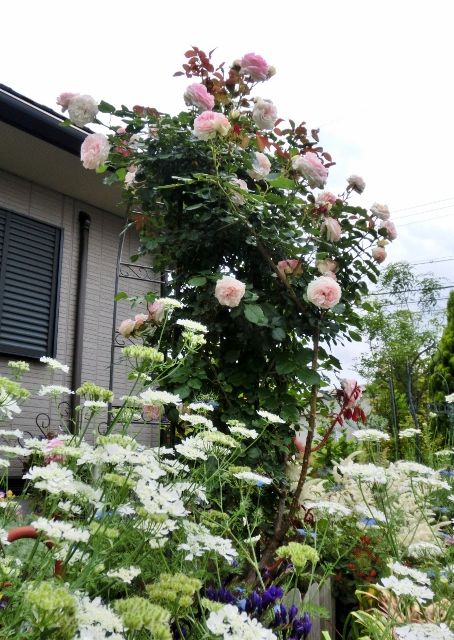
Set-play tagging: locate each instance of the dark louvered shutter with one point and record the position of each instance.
(29, 275)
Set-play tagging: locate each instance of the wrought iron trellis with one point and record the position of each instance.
(142, 273)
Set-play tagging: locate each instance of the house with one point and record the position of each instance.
(61, 261)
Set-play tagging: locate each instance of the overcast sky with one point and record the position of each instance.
(375, 76)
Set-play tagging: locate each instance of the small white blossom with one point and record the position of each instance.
(423, 631)
(409, 433)
(192, 325)
(402, 570)
(370, 435)
(54, 390)
(244, 432)
(54, 364)
(450, 398)
(201, 406)
(423, 548)
(123, 574)
(270, 417)
(60, 530)
(196, 419)
(199, 540)
(94, 405)
(8, 406)
(406, 587)
(232, 624)
(11, 433)
(329, 507)
(151, 396)
(369, 473)
(254, 478)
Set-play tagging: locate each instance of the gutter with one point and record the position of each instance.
(39, 121)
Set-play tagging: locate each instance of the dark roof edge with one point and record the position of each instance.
(39, 121)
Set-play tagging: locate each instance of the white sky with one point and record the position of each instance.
(375, 76)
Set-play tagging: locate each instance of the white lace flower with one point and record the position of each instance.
(53, 478)
(199, 540)
(8, 406)
(201, 406)
(95, 612)
(370, 435)
(409, 433)
(244, 432)
(192, 325)
(170, 303)
(94, 632)
(94, 405)
(151, 396)
(194, 448)
(368, 473)
(331, 508)
(11, 433)
(406, 587)
(254, 478)
(54, 390)
(449, 398)
(423, 631)
(270, 417)
(402, 570)
(232, 624)
(54, 364)
(196, 419)
(60, 530)
(408, 467)
(123, 574)
(14, 451)
(423, 548)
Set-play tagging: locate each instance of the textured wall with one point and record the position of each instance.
(49, 206)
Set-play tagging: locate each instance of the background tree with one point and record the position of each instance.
(441, 382)
(401, 341)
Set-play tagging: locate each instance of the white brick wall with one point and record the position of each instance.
(40, 203)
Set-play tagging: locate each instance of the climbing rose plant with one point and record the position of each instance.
(229, 201)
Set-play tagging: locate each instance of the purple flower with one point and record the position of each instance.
(270, 595)
(301, 627)
(220, 595)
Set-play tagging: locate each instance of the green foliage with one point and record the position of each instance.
(442, 365)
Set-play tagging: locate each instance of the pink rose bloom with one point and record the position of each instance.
(82, 110)
(196, 95)
(326, 198)
(289, 267)
(65, 98)
(356, 183)
(156, 311)
(300, 442)
(139, 319)
(311, 168)
(379, 254)
(94, 150)
(236, 197)
(264, 114)
(324, 292)
(209, 124)
(352, 392)
(52, 444)
(390, 227)
(327, 267)
(332, 229)
(127, 327)
(254, 66)
(380, 210)
(261, 166)
(229, 291)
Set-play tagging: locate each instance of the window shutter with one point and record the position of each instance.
(29, 285)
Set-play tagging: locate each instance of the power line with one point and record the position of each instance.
(428, 220)
(446, 259)
(424, 204)
(385, 293)
(423, 213)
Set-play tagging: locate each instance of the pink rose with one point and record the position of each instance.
(327, 267)
(326, 198)
(196, 95)
(139, 319)
(332, 229)
(379, 254)
(126, 328)
(264, 114)
(64, 99)
(236, 197)
(157, 311)
(352, 392)
(300, 442)
(94, 150)
(209, 124)
(311, 168)
(254, 66)
(53, 457)
(229, 291)
(324, 292)
(82, 110)
(390, 228)
(356, 183)
(289, 267)
(380, 210)
(261, 166)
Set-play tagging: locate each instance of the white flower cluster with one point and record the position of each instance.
(424, 549)
(124, 574)
(423, 631)
(192, 325)
(60, 530)
(200, 406)
(196, 419)
(151, 396)
(402, 570)
(244, 432)
(409, 433)
(251, 477)
(232, 624)
(94, 613)
(200, 540)
(406, 587)
(54, 390)
(8, 405)
(270, 417)
(370, 435)
(368, 473)
(329, 507)
(54, 364)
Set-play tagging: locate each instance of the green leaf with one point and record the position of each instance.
(290, 413)
(121, 173)
(254, 314)
(122, 295)
(184, 391)
(101, 169)
(309, 377)
(355, 336)
(282, 183)
(105, 107)
(197, 281)
(195, 383)
(278, 334)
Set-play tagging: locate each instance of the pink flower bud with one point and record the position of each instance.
(379, 254)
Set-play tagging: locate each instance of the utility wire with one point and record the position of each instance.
(422, 213)
(424, 204)
(385, 293)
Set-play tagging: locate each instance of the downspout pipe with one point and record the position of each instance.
(76, 380)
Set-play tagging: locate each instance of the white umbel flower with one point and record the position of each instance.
(192, 325)
(123, 574)
(423, 631)
(232, 624)
(54, 364)
(151, 396)
(60, 530)
(406, 587)
(270, 417)
(54, 390)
